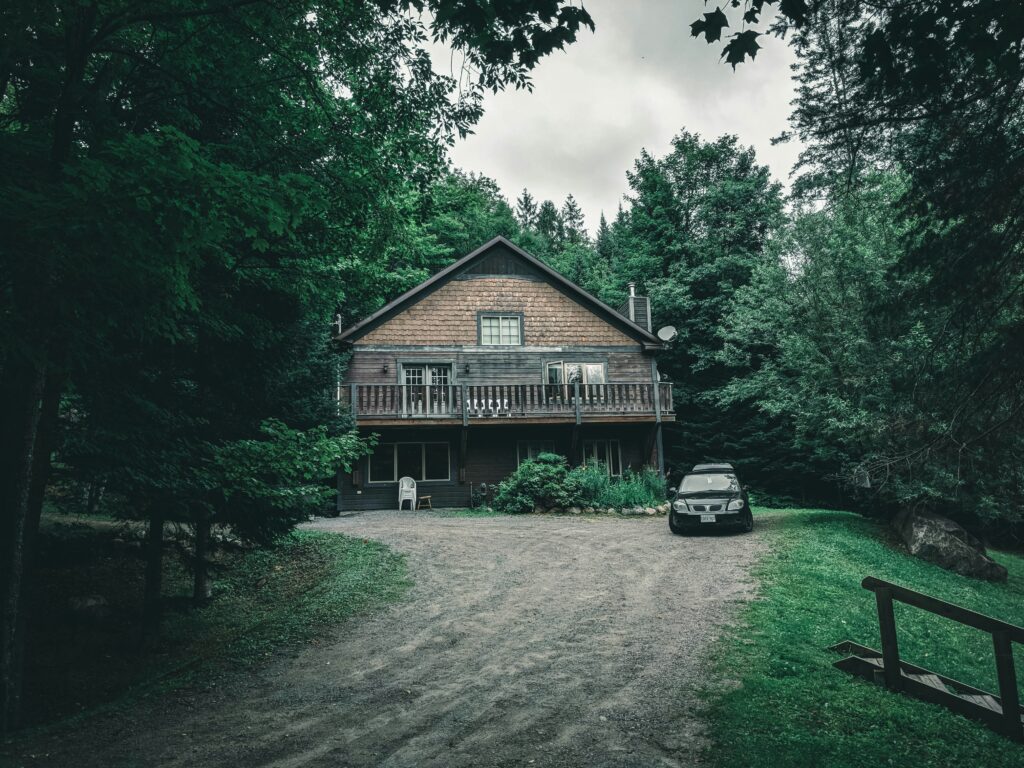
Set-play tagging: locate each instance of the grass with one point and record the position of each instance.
(264, 602)
(791, 708)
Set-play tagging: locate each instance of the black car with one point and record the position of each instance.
(710, 496)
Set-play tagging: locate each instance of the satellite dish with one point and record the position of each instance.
(667, 333)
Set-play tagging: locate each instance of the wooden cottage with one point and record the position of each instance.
(491, 361)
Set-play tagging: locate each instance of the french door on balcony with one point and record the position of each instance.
(427, 389)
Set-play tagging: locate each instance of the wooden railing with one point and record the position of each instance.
(467, 401)
(1002, 712)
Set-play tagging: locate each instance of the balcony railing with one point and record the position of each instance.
(472, 401)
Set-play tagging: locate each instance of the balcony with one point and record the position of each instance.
(388, 404)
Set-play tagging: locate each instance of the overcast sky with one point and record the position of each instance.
(634, 83)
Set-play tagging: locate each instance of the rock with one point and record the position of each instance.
(555, 511)
(574, 510)
(538, 510)
(588, 510)
(611, 510)
(638, 510)
(664, 508)
(939, 540)
(650, 511)
(90, 607)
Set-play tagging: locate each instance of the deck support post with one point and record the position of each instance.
(1007, 676)
(576, 399)
(353, 402)
(463, 447)
(659, 444)
(465, 406)
(890, 647)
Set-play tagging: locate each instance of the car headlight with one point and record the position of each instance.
(679, 506)
(735, 504)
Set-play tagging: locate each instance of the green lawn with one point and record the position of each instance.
(793, 709)
(265, 601)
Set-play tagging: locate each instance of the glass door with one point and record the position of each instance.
(440, 377)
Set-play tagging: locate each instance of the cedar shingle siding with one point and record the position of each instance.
(449, 316)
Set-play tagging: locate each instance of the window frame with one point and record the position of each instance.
(561, 364)
(499, 315)
(609, 443)
(423, 461)
(521, 444)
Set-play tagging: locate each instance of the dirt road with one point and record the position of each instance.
(525, 641)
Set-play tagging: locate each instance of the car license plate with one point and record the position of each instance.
(707, 518)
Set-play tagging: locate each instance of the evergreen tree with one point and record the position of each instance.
(526, 210)
(573, 230)
(549, 226)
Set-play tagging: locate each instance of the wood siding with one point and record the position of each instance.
(501, 365)
(489, 458)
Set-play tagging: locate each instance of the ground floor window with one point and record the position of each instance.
(529, 449)
(605, 452)
(420, 461)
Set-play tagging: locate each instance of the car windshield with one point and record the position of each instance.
(710, 482)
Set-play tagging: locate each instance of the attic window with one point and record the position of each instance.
(500, 330)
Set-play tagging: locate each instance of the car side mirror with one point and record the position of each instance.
(672, 493)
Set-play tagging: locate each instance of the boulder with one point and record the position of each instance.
(939, 540)
(588, 510)
(650, 511)
(555, 511)
(538, 510)
(611, 510)
(574, 510)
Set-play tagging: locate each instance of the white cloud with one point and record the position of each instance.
(635, 83)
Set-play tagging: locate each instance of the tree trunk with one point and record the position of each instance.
(92, 501)
(200, 569)
(22, 393)
(154, 574)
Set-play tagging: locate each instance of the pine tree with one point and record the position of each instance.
(549, 223)
(603, 242)
(526, 210)
(572, 222)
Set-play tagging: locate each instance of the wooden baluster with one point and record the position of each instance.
(1008, 694)
(890, 647)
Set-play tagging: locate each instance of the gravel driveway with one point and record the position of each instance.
(546, 641)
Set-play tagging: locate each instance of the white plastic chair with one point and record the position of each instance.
(407, 492)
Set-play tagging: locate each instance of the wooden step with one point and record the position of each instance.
(988, 702)
(928, 678)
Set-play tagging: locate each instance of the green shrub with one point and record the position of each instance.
(544, 481)
(634, 489)
(548, 482)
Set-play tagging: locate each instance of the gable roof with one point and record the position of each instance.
(598, 307)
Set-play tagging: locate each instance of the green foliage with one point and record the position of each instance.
(267, 601)
(544, 481)
(790, 707)
(548, 482)
(633, 489)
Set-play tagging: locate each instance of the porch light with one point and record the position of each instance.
(385, 369)
(466, 369)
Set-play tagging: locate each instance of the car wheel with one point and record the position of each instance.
(673, 527)
(748, 522)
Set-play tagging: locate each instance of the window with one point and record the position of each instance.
(606, 452)
(530, 449)
(500, 329)
(420, 461)
(575, 373)
(434, 375)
